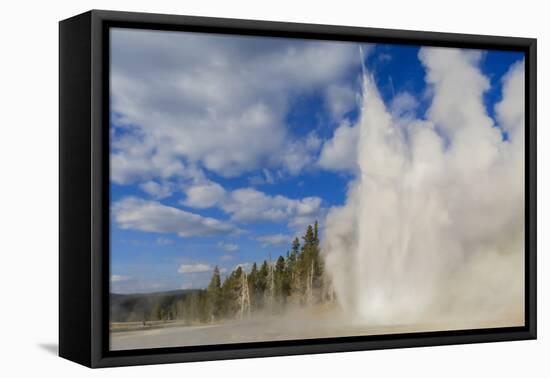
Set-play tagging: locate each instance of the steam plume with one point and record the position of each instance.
(432, 231)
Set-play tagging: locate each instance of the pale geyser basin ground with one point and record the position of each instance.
(310, 323)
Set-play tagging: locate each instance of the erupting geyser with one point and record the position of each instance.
(432, 231)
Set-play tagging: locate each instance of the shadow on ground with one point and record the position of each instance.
(51, 348)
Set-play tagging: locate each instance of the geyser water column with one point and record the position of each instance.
(432, 228)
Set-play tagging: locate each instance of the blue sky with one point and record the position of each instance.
(224, 148)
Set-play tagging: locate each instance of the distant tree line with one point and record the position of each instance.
(156, 306)
(297, 278)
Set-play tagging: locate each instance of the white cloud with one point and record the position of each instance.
(250, 205)
(120, 278)
(269, 179)
(151, 216)
(203, 98)
(265, 178)
(156, 190)
(136, 158)
(340, 152)
(308, 210)
(127, 169)
(204, 195)
(164, 241)
(228, 247)
(274, 239)
(340, 99)
(511, 109)
(300, 153)
(195, 268)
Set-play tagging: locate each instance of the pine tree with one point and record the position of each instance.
(305, 263)
(261, 285)
(280, 280)
(318, 265)
(296, 246)
(292, 266)
(316, 232)
(231, 290)
(310, 266)
(214, 295)
(203, 312)
(270, 287)
(252, 285)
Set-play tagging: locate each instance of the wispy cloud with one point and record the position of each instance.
(227, 257)
(250, 205)
(228, 247)
(156, 190)
(275, 239)
(340, 99)
(204, 195)
(164, 241)
(266, 177)
(195, 268)
(151, 216)
(247, 205)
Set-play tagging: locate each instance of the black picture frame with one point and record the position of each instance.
(84, 189)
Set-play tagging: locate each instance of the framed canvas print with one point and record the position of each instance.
(233, 188)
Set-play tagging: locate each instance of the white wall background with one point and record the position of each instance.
(29, 189)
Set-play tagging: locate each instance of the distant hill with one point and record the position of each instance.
(146, 306)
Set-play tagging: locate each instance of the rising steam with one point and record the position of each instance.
(432, 231)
